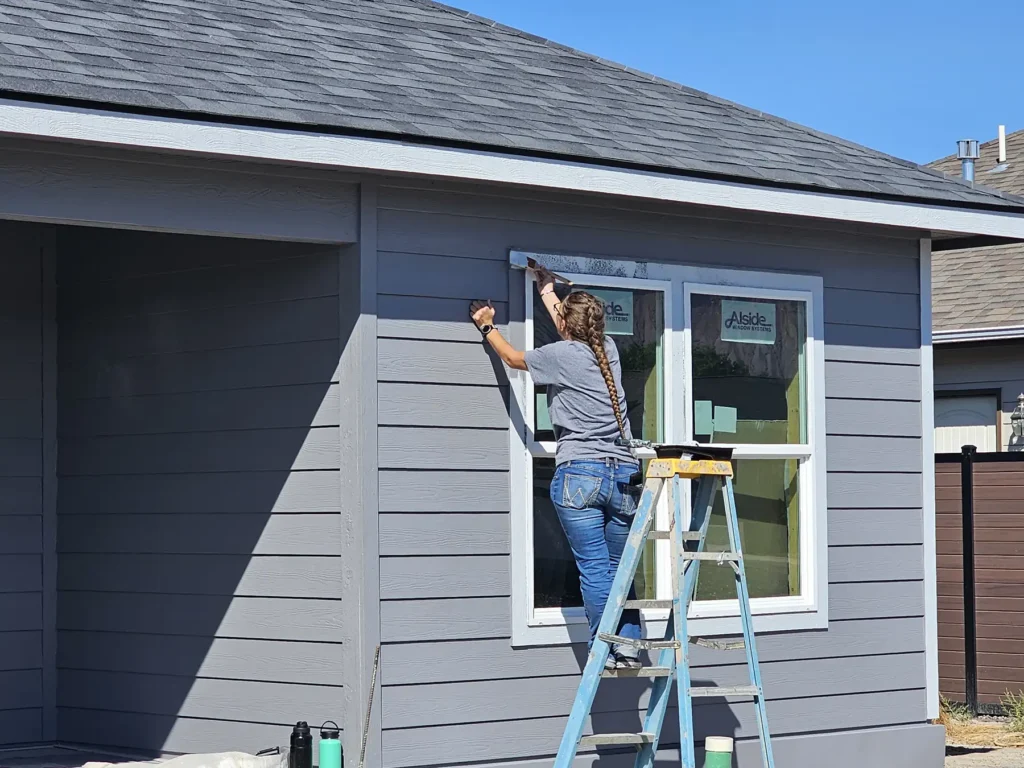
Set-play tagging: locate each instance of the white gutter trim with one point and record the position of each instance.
(931, 594)
(979, 334)
(30, 120)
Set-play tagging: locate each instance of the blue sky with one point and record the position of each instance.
(908, 77)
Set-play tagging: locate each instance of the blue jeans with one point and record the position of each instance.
(596, 506)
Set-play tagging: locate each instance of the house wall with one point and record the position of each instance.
(199, 529)
(985, 366)
(453, 688)
(21, 486)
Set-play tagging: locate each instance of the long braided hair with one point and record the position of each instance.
(583, 315)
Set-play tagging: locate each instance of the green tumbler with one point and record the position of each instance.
(331, 755)
(718, 752)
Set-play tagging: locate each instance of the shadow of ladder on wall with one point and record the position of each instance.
(712, 468)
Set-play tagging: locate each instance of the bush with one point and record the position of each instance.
(1013, 705)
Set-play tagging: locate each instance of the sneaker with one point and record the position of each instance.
(622, 661)
(611, 662)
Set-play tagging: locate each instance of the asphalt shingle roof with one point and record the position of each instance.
(419, 69)
(982, 287)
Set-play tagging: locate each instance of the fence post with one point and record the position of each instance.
(970, 616)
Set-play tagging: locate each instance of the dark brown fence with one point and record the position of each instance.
(979, 506)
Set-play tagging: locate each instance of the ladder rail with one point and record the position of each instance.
(753, 665)
(642, 521)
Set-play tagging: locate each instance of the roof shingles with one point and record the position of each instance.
(423, 69)
(982, 287)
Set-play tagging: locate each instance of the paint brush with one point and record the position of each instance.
(522, 261)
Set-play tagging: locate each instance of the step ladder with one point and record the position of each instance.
(712, 468)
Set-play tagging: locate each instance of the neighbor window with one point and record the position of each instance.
(738, 364)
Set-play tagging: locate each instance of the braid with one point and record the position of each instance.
(584, 318)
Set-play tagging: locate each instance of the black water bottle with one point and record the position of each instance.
(301, 753)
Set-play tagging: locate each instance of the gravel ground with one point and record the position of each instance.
(983, 758)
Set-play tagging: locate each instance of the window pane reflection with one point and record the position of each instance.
(767, 503)
(749, 382)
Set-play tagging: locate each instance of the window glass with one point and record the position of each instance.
(635, 322)
(749, 379)
(767, 503)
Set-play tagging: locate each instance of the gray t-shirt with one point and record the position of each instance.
(578, 400)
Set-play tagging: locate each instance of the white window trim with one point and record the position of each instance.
(809, 610)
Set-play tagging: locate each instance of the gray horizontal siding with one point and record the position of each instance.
(238, 409)
(199, 529)
(280, 492)
(275, 661)
(468, 449)
(186, 697)
(444, 486)
(21, 534)
(537, 736)
(425, 405)
(21, 473)
(21, 573)
(410, 706)
(450, 491)
(21, 725)
(256, 618)
(212, 574)
(137, 731)
(424, 662)
(418, 317)
(431, 534)
(223, 534)
(489, 617)
(265, 450)
(20, 650)
(20, 495)
(488, 575)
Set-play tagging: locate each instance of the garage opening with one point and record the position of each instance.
(189, 386)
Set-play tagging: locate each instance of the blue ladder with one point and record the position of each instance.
(712, 468)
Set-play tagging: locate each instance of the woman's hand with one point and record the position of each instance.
(482, 313)
(544, 279)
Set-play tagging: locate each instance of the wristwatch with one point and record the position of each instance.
(485, 329)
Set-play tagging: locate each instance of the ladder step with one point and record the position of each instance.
(719, 645)
(641, 672)
(721, 557)
(666, 535)
(604, 739)
(644, 645)
(732, 690)
(649, 604)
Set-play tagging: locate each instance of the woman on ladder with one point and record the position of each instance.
(591, 489)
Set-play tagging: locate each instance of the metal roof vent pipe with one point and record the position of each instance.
(967, 153)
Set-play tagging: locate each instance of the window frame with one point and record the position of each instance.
(554, 626)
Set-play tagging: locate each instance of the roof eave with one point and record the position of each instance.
(393, 156)
(963, 335)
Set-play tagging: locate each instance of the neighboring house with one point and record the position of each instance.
(978, 328)
(248, 433)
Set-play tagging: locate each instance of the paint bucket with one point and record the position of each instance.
(718, 752)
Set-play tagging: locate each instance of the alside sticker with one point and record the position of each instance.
(748, 322)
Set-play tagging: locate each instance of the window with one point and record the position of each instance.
(721, 356)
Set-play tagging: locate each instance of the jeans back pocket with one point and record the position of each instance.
(580, 491)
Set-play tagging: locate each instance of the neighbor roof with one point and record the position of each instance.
(414, 68)
(981, 287)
